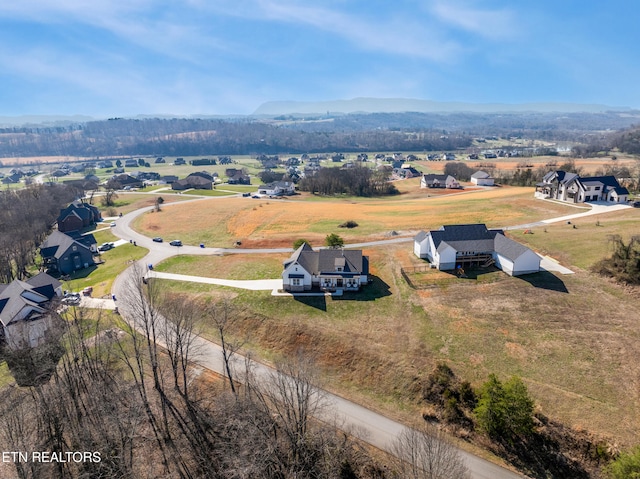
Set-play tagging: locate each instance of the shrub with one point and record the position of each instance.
(299, 242)
(348, 224)
(504, 411)
(333, 241)
(626, 466)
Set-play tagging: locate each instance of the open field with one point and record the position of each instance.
(573, 339)
(263, 223)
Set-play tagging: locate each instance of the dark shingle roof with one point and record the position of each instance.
(327, 260)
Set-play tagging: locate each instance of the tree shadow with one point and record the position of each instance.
(82, 273)
(34, 366)
(545, 280)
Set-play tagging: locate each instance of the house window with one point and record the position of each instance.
(295, 282)
(339, 268)
(597, 188)
(74, 248)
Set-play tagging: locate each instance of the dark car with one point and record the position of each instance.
(176, 243)
(157, 239)
(106, 246)
(636, 204)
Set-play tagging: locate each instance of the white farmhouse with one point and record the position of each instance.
(454, 246)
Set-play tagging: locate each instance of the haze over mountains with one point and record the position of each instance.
(399, 105)
(355, 105)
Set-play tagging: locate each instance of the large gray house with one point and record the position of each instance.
(61, 254)
(570, 187)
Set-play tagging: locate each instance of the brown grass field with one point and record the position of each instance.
(270, 223)
(572, 338)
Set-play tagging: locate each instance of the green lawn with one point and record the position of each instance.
(101, 277)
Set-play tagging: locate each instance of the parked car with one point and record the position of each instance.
(636, 204)
(112, 224)
(157, 239)
(106, 246)
(176, 243)
(71, 298)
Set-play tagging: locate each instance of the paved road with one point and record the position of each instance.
(369, 426)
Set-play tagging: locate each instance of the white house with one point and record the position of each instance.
(277, 188)
(481, 178)
(439, 181)
(454, 246)
(25, 316)
(571, 188)
(326, 269)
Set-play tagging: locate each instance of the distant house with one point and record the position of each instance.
(131, 163)
(277, 188)
(128, 181)
(571, 188)
(405, 171)
(449, 156)
(160, 160)
(454, 246)
(25, 314)
(179, 161)
(192, 181)
(439, 181)
(78, 215)
(205, 174)
(326, 269)
(239, 178)
(61, 254)
(482, 178)
(168, 179)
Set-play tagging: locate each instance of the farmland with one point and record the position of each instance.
(572, 338)
(269, 223)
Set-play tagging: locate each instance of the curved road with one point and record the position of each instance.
(365, 424)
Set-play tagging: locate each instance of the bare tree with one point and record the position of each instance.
(426, 453)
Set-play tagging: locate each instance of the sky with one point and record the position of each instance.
(106, 58)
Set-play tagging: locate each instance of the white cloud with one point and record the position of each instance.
(488, 23)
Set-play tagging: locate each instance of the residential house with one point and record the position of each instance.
(571, 188)
(192, 181)
(277, 188)
(482, 178)
(326, 269)
(87, 239)
(128, 181)
(168, 179)
(454, 246)
(205, 174)
(25, 314)
(449, 156)
(439, 181)
(179, 161)
(238, 178)
(61, 254)
(131, 163)
(78, 215)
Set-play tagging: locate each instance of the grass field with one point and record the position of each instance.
(574, 339)
(261, 223)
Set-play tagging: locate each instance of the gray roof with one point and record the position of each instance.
(480, 174)
(328, 260)
(420, 236)
(475, 238)
(13, 300)
(57, 244)
(509, 248)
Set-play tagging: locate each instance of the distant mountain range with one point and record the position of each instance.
(400, 105)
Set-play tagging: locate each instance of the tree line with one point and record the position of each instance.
(356, 181)
(26, 219)
(194, 137)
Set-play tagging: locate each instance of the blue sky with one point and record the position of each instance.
(188, 57)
